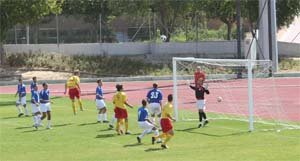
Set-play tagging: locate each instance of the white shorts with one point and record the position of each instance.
(35, 108)
(22, 101)
(154, 108)
(145, 125)
(45, 107)
(100, 104)
(201, 104)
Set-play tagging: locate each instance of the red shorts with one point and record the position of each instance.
(166, 124)
(74, 92)
(120, 113)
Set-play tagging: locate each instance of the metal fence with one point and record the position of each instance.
(60, 29)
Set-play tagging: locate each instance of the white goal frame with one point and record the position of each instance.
(246, 62)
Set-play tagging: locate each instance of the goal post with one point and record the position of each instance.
(217, 70)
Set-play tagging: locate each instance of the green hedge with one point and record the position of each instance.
(99, 65)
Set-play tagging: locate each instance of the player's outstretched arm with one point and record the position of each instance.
(126, 103)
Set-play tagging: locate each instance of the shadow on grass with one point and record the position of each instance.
(153, 149)
(108, 129)
(190, 130)
(60, 125)
(10, 117)
(91, 123)
(24, 127)
(106, 135)
(7, 103)
(56, 97)
(41, 128)
(132, 145)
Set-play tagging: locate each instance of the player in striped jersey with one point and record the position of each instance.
(21, 100)
(144, 123)
(74, 90)
(100, 104)
(45, 104)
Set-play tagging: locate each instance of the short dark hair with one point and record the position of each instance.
(44, 84)
(119, 87)
(144, 102)
(155, 85)
(170, 97)
(99, 80)
(34, 77)
(20, 79)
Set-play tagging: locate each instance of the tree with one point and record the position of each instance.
(91, 10)
(286, 11)
(15, 12)
(170, 13)
(225, 10)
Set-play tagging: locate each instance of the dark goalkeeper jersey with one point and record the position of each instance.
(199, 92)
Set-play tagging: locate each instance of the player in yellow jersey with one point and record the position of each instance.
(166, 123)
(120, 102)
(74, 90)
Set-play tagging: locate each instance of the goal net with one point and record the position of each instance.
(240, 90)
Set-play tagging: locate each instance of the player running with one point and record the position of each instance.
(74, 90)
(166, 123)
(144, 123)
(120, 102)
(154, 98)
(199, 94)
(35, 103)
(100, 104)
(21, 100)
(45, 104)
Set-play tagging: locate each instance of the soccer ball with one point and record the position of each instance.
(219, 99)
(163, 38)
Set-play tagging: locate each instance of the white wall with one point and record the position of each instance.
(216, 48)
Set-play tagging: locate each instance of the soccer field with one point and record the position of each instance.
(81, 138)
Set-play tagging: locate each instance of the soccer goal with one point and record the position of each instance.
(240, 89)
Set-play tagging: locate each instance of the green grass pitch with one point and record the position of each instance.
(81, 138)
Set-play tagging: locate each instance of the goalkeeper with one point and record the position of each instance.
(199, 93)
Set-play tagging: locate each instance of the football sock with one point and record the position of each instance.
(204, 115)
(156, 132)
(113, 120)
(26, 110)
(200, 116)
(49, 123)
(126, 126)
(99, 117)
(34, 120)
(80, 104)
(144, 133)
(19, 109)
(74, 107)
(105, 116)
(168, 138)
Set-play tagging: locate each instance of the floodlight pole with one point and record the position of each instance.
(238, 24)
(27, 33)
(273, 39)
(238, 21)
